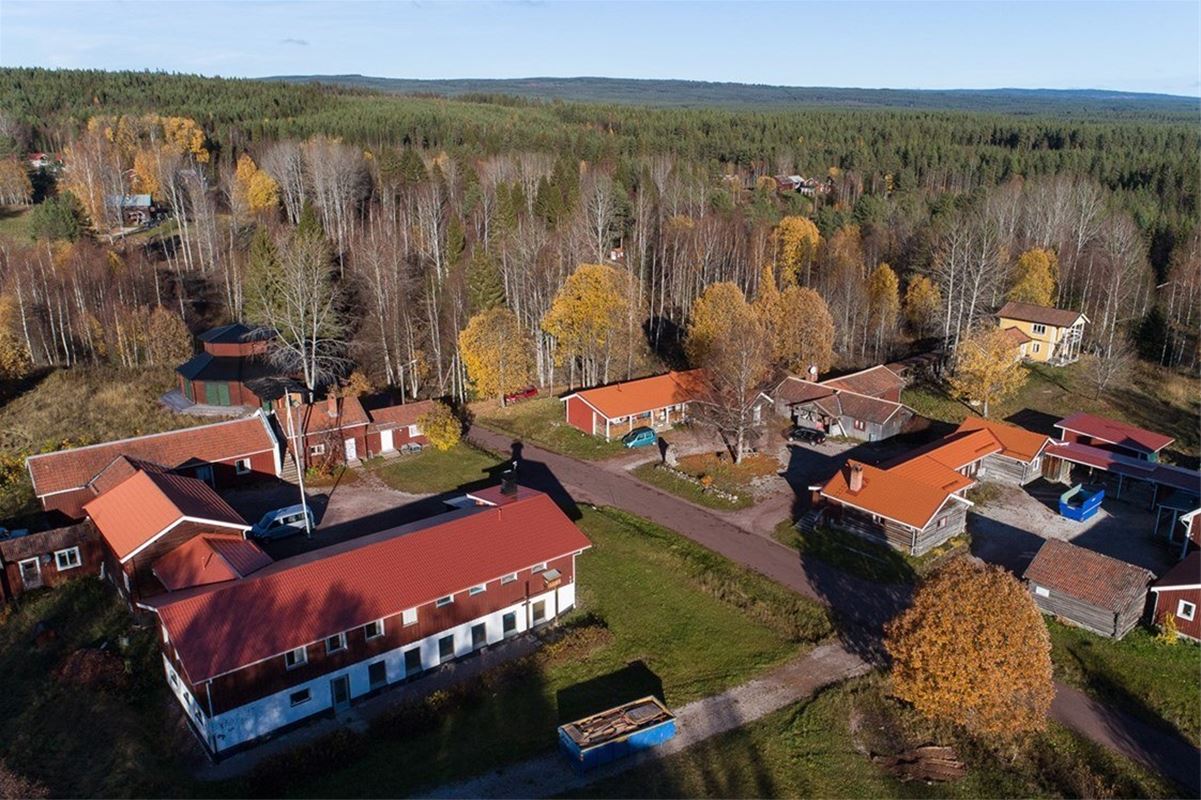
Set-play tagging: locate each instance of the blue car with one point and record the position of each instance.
(640, 437)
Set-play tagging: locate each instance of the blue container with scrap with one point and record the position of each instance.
(1081, 502)
(616, 733)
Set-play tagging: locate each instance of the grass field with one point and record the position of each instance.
(540, 421)
(858, 556)
(822, 748)
(1152, 397)
(14, 223)
(1148, 678)
(432, 470)
(652, 474)
(686, 619)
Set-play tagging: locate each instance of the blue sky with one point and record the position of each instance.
(1134, 46)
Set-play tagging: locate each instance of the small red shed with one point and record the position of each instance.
(1179, 593)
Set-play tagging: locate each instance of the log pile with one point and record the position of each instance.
(930, 763)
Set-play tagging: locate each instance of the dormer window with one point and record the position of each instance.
(296, 658)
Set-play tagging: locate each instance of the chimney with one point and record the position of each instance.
(331, 406)
(812, 372)
(508, 482)
(855, 476)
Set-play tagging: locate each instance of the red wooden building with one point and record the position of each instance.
(1178, 593)
(222, 454)
(657, 402)
(233, 369)
(48, 558)
(255, 655)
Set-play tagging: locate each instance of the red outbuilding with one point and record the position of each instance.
(1179, 593)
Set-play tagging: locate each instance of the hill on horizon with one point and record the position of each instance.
(684, 93)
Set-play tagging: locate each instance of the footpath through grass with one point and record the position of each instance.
(1151, 679)
(656, 613)
(432, 470)
(822, 747)
(542, 421)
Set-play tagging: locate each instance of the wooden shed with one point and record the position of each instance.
(1095, 592)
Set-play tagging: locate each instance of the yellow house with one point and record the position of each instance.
(1052, 335)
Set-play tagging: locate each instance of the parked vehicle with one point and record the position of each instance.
(528, 393)
(282, 522)
(640, 437)
(798, 433)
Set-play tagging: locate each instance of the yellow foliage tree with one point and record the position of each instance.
(188, 136)
(441, 427)
(709, 321)
(591, 320)
(145, 173)
(923, 304)
(972, 650)
(254, 190)
(796, 241)
(357, 384)
(14, 357)
(883, 304)
(798, 323)
(986, 369)
(496, 352)
(1037, 270)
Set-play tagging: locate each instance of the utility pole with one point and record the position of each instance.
(289, 400)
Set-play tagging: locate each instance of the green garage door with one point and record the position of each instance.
(216, 394)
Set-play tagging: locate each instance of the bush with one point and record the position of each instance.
(441, 427)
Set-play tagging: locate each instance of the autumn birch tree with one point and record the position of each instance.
(987, 369)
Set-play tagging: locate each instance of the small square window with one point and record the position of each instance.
(444, 601)
(336, 643)
(1037, 347)
(474, 590)
(1042, 591)
(373, 630)
(242, 466)
(414, 431)
(510, 578)
(67, 559)
(317, 450)
(942, 523)
(1186, 610)
(301, 697)
(409, 616)
(296, 658)
(538, 568)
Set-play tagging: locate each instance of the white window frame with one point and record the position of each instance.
(68, 552)
(242, 466)
(368, 635)
(510, 578)
(1180, 606)
(317, 449)
(414, 431)
(1037, 348)
(538, 568)
(307, 696)
(443, 602)
(408, 617)
(299, 657)
(341, 645)
(1042, 591)
(1039, 328)
(479, 589)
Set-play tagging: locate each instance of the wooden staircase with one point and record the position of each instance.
(288, 472)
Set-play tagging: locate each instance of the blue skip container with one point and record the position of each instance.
(1081, 502)
(616, 733)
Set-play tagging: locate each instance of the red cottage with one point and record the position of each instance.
(1179, 593)
(657, 402)
(232, 369)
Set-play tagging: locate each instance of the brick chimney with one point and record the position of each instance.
(812, 373)
(331, 406)
(854, 476)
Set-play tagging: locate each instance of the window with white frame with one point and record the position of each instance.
(242, 466)
(1039, 328)
(409, 616)
(67, 559)
(942, 523)
(414, 431)
(373, 630)
(1037, 347)
(335, 643)
(317, 449)
(480, 589)
(510, 578)
(1186, 610)
(538, 568)
(301, 697)
(296, 658)
(444, 601)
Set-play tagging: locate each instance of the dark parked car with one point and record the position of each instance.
(521, 394)
(798, 433)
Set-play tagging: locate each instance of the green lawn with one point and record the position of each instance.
(1149, 678)
(661, 478)
(541, 421)
(822, 748)
(433, 470)
(1151, 397)
(686, 618)
(858, 556)
(81, 738)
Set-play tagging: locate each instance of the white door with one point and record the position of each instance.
(352, 452)
(385, 440)
(31, 573)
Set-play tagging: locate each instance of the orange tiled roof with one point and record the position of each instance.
(209, 558)
(142, 506)
(1016, 336)
(889, 494)
(644, 394)
(1016, 442)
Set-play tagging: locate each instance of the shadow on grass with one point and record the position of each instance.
(632, 682)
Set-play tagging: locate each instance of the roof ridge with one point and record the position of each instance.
(255, 415)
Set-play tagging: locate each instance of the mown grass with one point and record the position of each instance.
(866, 559)
(689, 621)
(1151, 397)
(651, 473)
(541, 421)
(432, 470)
(823, 747)
(1151, 679)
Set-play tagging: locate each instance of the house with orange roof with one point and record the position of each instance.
(658, 402)
(1020, 459)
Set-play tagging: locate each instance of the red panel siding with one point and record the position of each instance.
(1167, 601)
(580, 415)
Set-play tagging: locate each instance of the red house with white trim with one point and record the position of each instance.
(252, 656)
(1178, 593)
(657, 402)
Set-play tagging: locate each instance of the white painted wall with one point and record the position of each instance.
(267, 714)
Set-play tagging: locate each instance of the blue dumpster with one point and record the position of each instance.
(1080, 502)
(615, 733)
